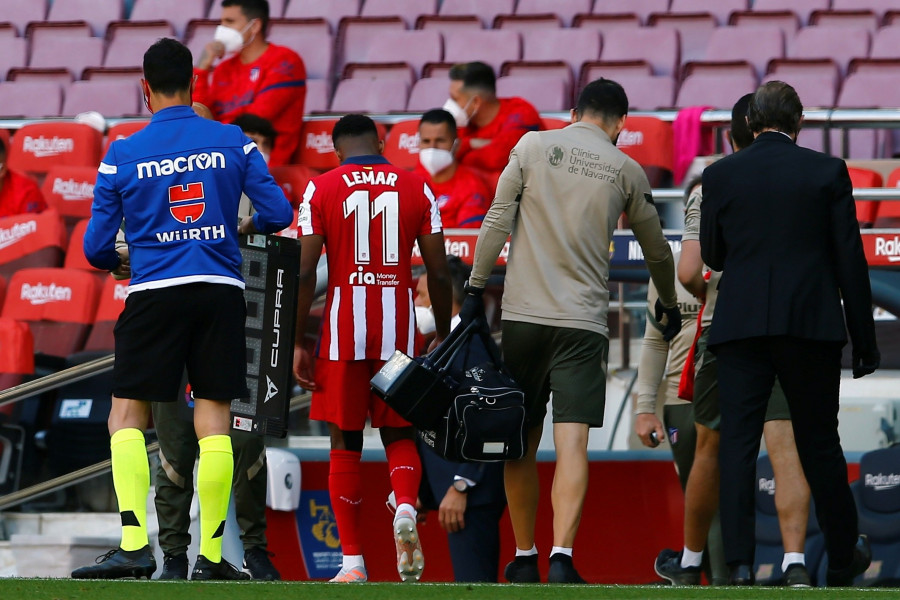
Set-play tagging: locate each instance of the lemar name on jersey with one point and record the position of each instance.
(369, 177)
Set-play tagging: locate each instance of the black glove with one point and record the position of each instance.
(473, 305)
(865, 362)
(673, 324)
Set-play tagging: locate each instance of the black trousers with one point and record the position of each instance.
(810, 373)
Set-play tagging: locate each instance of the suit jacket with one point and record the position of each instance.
(780, 221)
(438, 475)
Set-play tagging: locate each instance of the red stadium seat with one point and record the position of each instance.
(70, 190)
(20, 14)
(75, 258)
(293, 180)
(356, 33)
(879, 7)
(803, 8)
(332, 11)
(866, 178)
(865, 19)
(887, 214)
(315, 45)
(58, 304)
(108, 97)
(12, 54)
(648, 92)
(428, 93)
(551, 123)
(552, 68)
(605, 23)
(718, 91)
(867, 90)
(316, 150)
(276, 8)
(146, 31)
(407, 9)
(641, 8)
(316, 96)
(37, 147)
(61, 76)
(401, 147)
(31, 240)
(564, 9)
(73, 53)
(785, 20)
(755, 45)
(661, 48)
(111, 304)
(370, 95)
(648, 140)
(486, 10)
(574, 46)
(721, 9)
(30, 99)
(122, 130)
(694, 30)
(176, 12)
(528, 24)
(547, 93)
(98, 13)
(837, 43)
(429, 47)
(127, 52)
(443, 23)
(493, 47)
(16, 356)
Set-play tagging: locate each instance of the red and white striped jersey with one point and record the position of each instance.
(370, 214)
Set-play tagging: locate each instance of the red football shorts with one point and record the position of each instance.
(344, 397)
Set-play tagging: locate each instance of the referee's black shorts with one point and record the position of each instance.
(198, 326)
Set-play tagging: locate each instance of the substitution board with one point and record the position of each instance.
(270, 268)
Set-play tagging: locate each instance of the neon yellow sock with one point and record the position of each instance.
(131, 479)
(214, 474)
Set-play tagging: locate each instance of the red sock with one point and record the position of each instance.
(405, 469)
(345, 490)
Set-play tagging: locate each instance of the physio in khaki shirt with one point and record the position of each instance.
(560, 197)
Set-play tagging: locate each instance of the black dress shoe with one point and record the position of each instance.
(862, 558)
(741, 575)
(562, 570)
(524, 569)
(206, 570)
(175, 566)
(120, 564)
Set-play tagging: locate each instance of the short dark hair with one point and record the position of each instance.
(479, 77)
(436, 116)
(354, 125)
(250, 123)
(168, 67)
(603, 98)
(775, 105)
(459, 276)
(691, 184)
(740, 130)
(252, 9)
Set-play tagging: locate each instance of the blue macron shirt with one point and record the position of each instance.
(177, 184)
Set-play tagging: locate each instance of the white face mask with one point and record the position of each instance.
(424, 320)
(435, 160)
(459, 112)
(232, 39)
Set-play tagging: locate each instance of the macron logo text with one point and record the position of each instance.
(181, 164)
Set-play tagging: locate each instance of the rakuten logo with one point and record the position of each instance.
(320, 142)
(767, 485)
(888, 247)
(181, 164)
(70, 189)
(881, 482)
(120, 292)
(42, 294)
(42, 147)
(17, 232)
(630, 138)
(410, 143)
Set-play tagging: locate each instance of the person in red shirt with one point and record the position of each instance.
(489, 126)
(260, 78)
(18, 193)
(368, 214)
(462, 195)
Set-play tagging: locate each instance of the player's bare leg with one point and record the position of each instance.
(570, 480)
(520, 478)
(701, 496)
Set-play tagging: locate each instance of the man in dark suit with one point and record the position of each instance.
(468, 497)
(780, 221)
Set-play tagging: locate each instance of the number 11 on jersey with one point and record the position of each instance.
(385, 204)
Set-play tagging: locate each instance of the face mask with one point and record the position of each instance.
(459, 112)
(232, 39)
(435, 160)
(424, 320)
(265, 156)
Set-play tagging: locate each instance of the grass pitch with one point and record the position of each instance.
(67, 589)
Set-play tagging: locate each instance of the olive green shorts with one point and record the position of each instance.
(706, 390)
(570, 363)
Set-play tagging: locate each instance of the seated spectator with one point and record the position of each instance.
(461, 194)
(18, 193)
(256, 77)
(489, 126)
